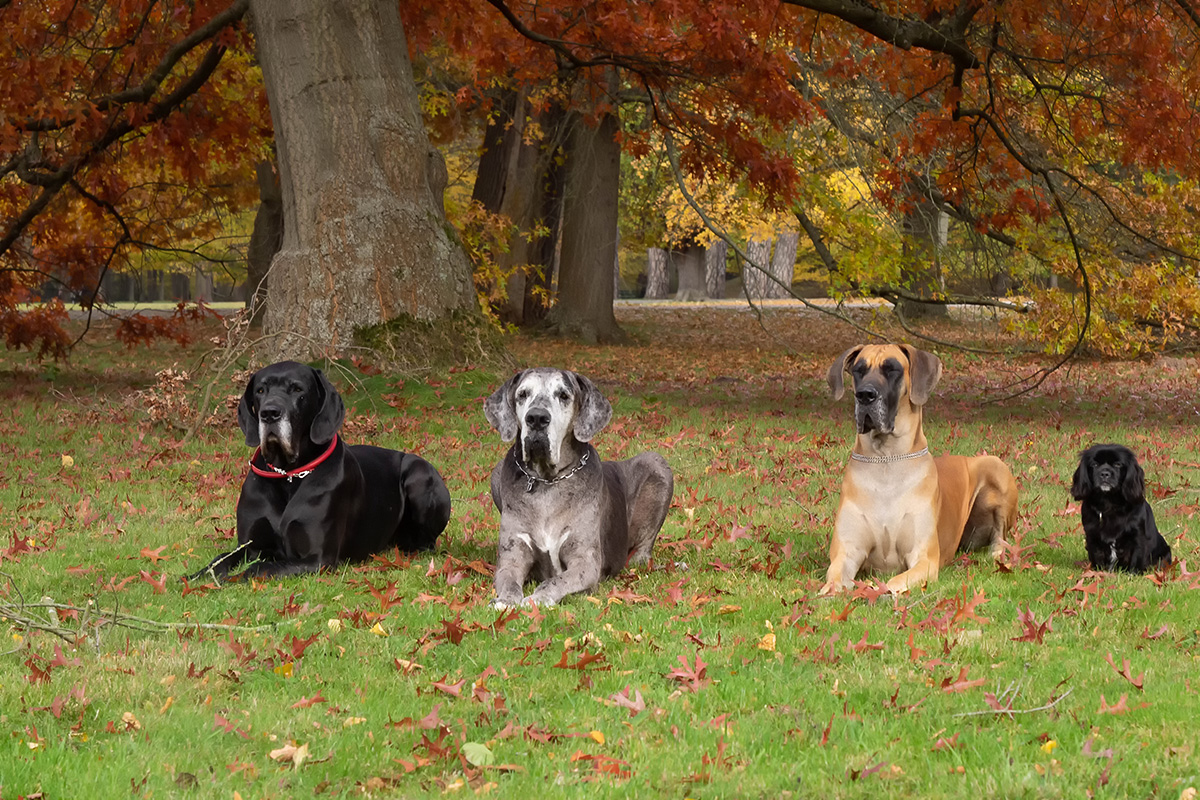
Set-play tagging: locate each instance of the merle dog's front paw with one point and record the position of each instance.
(501, 604)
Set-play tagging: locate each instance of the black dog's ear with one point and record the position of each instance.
(1081, 482)
(594, 409)
(328, 420)
(247, 414)
(925, 370)
(1133, 486)
(837, 371)
(501, 408)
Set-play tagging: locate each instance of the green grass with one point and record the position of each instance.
(757, 450)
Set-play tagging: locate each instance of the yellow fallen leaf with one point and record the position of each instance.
(67, 461)
(131, 722)
(1049, 746)
(767, 642)
(284, 669)
(378, 630)
(170, 701)
(334, 625)
(291, 752)
(351, 721)
(597, 736)
(729, 609)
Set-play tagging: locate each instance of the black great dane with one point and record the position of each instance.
(309, 501)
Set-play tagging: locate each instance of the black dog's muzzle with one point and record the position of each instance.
(1107, 477)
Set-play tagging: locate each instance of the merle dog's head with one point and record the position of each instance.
(546, 407)
(288, 409)
(885, 376)
(1110, 471)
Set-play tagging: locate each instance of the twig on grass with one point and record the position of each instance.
(1011, 711)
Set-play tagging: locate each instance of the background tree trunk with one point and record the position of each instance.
(658, 279)
(689, 265)
(364, 238)
(589, 232)
(264, 239)
(754, 279)
(714, 268)
(783, 265)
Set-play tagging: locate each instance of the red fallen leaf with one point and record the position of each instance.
(825, 733)
(202, 589)
(1088, 751)
(636, 704)
(1124, 671)
(691, 676)
(1119, 707)
(842, 615)
(966, 608)
(60, 660)
(79, 570)
(1146, 634)
(961, 684)
(155, 556)
(309, 702)
(228, 727)
(584, 661)
(298, 646)
(915, 653)
(424, 599)
(115, 586)
(994, 703)
(160, 585)
(868, 590)
(1031, 630)
(453, 689)
(945, 744)
(675, 591)
(605, 764)
(194, 673)
(862, 644)
(36, 674)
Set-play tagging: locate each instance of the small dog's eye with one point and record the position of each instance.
(521, 395)
(260, 390)
(561, 396)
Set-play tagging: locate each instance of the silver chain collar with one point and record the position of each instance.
(532, 479)
(924, 451)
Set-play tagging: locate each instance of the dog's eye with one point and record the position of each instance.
(561, 396)
(522, 395)
(260, 390)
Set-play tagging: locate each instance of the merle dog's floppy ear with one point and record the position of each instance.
(328, 420)
(594, 409)
(925, 370)
(837, 371)
(1081, 483)
(1133, 485)
(247, 418)
(501, 408)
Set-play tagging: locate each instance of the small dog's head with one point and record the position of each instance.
(285, 407)
(546, 406)
(1109, 470)
(884, 376)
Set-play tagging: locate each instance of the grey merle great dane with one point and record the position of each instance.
(567, 520)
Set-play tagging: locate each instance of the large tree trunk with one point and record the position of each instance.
(658, 279)
(585, 285)
(265, 239)
(714, 268)
(364, 237)
(783, 265)
(689, 265)
(754, 272)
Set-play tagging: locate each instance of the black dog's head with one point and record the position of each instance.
(288, 409)
(1111, 471)
(887, 379)
(547, 407)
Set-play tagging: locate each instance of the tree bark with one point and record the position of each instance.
(689, 264)
(783, 265)
(265, 239)
(364, 238)
(714, 268)
(658, 279)
(589, 232)
(754, 278)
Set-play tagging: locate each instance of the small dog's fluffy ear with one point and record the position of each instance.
(501, 408)
(594, 409)
(247, 415)
(328, 420)
(1133, 486)
(1081, 483)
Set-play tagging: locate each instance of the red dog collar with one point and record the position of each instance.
(276, 472)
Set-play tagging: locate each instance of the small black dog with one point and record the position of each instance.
(309, 501)
(1118, 525)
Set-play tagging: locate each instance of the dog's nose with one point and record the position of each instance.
(866, 395)
(537, 419)
(269, 414)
